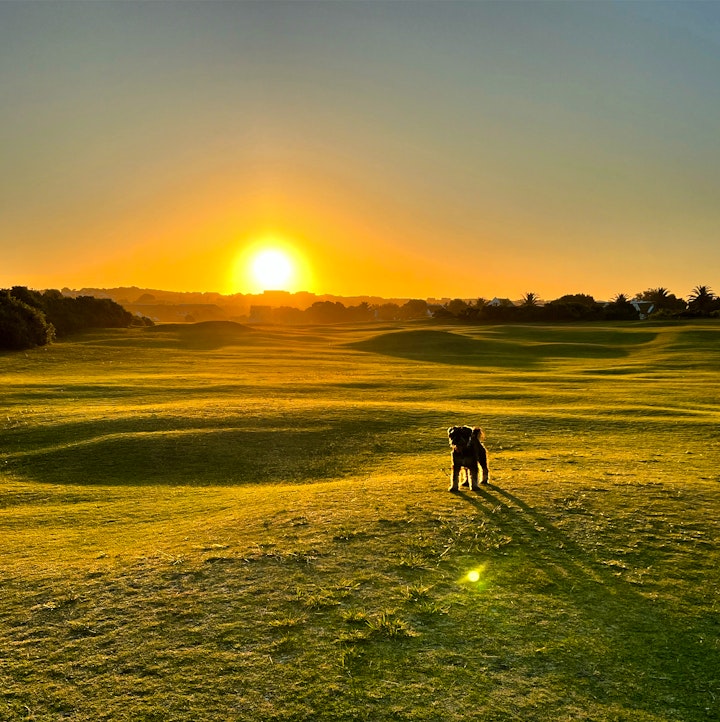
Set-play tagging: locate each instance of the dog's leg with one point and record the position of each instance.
(481, 453)
(473, 472)
(465, 477)
(482, 460)
(455, 476)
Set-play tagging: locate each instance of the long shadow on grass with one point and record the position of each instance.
(659, 654)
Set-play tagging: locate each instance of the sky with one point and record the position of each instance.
(401, 149)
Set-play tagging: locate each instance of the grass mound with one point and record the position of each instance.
(515, 347)
(207, 335)
(442, 347)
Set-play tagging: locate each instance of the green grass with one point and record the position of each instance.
(212, 522)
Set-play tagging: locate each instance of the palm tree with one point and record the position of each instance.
(621, 309)
(530, 299)
(702, 293)
(662, 300)
(702, 299)
(658, 295)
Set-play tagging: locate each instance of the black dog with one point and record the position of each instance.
(468, 453)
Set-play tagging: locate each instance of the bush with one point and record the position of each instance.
(21, 325)
(69, 315)
(31, 318)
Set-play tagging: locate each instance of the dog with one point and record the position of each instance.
(468, 453)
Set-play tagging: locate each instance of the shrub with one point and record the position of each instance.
(21, 325)
(69, 315)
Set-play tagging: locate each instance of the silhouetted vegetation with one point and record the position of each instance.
(653, 303)
(32, 318)
(322, 312)
(304, 308)
(578, 307)
(22, 325)
(664, 303)
(703, 302)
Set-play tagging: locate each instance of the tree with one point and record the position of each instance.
(474, 311)
(21, 325)
(439, 311)
(361, 312)
(69, 315)
(387, 312)
(414, 308)
(702, 301)
(326, 312)
(287, 315)
(457, 307)
(663, 302)
(621, 309)
(573, 307)
(530, 309)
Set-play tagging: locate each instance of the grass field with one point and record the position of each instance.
(211, 522)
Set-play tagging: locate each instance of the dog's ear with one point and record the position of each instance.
(478, 433)
(451, 429)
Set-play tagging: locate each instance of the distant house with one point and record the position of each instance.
(644, 308)
(260, 314)
(501, 302)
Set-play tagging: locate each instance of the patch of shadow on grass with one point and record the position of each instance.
(407, 386)
(618, 371)
(447, 347)
(116, 454)
(443, 347)
(661, 649)
(203, 336)
(592, 336)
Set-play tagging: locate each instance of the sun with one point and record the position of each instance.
(271, 263)
(272, 269)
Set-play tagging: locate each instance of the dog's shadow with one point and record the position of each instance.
(562, 559)
(601, 598)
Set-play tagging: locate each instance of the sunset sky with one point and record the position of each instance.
(404, 149)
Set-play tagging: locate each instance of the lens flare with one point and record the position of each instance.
(475, 577)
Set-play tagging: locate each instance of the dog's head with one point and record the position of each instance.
(460, 437)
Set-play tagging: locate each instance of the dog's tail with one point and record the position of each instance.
(478, 434)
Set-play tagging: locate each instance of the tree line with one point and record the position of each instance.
(322, 312)
(657, 303)
(32, 318)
